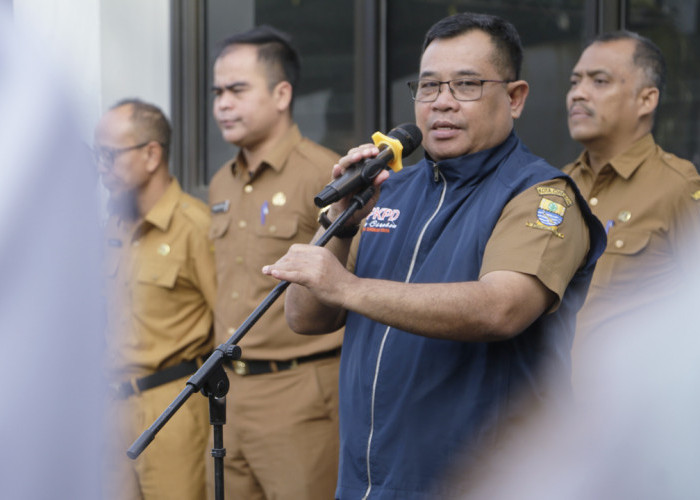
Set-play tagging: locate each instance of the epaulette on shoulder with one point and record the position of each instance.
(686, 170)
(195, 210)
(310, 150)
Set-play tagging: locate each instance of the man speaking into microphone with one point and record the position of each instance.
(470, 269)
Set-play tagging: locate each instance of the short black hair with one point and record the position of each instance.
(275, 51)
(149, 121)
(647, 56)
(509, 50)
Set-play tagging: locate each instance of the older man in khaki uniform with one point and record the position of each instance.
(162, 287)
(647, 199)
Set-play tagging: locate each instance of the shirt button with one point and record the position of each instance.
(248, 188)
(239, 260)
(273, 229)
(242, 224)
(234, 295)
(619, 243)
(231, 331)
(593, 201)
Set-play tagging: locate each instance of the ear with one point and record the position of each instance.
(155, 155)
(282, 93)
(517, 92)
(648, 99)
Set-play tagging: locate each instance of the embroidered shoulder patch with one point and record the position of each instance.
(550, 213)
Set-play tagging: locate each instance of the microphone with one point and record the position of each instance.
(401, 141)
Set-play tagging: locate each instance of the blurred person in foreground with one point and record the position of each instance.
(50, 346)
(281, 432)
(632, 433)
(456, 313)
(161, 287)
(648, 199)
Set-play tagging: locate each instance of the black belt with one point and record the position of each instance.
(259, 367)
(129, 388)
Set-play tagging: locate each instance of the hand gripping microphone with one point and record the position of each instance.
(401, 141)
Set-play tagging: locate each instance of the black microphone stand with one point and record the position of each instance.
(211, 378)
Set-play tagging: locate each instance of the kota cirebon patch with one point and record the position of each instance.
(550, 214)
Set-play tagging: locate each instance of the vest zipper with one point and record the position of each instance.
(409, 274)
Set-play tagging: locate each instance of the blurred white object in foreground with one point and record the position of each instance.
(634, 433)
(50, 310)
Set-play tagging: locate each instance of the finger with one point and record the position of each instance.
(381, 177)
(353, 156)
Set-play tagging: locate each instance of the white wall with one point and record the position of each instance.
(68, 34)
(135, 55)
(106, 49)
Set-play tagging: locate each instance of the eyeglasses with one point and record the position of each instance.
(462, 89)
(107, 155)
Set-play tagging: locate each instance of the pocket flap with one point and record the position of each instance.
(278, 227)
(219, 226)
(627, 242)
(159, 272)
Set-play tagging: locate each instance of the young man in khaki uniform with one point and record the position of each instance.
(647, 199)
(281, 432)
(162, 287)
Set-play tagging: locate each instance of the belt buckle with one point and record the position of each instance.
(240, 367)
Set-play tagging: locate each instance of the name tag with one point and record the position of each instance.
(220, 208)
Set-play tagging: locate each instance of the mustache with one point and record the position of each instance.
(579, 105)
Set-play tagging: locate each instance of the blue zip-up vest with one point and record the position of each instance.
(411, 405)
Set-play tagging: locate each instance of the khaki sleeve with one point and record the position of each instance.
(541, 232)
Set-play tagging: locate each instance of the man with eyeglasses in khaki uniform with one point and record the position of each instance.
(161, 288)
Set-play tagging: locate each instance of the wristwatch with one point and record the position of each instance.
(343, 232)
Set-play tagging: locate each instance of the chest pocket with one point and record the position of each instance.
(619, 265)
(625, 242)
(219, 226)
(273, 239)
(153, 290)
(159, 272)
(280, 226)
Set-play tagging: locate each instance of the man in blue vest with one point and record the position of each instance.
(465, 300)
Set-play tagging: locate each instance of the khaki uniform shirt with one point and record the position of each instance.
(648, 202)
(161, 284)
(254, 222)
(519, 243)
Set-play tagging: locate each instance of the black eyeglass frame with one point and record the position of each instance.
(109, 155)
(413, 87)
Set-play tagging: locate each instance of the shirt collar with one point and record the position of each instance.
(162, 212)
(277, 156)
(626, 163)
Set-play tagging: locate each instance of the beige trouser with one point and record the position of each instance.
(281, 434)
(171, 467)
